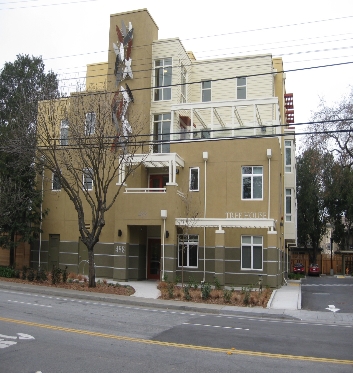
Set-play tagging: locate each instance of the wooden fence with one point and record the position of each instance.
(323, 260)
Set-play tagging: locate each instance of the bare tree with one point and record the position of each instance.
(189, 215)
(88, 152)
(333, 129)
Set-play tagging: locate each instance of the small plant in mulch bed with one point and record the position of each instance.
(227, 295)
(205, 290)
(56, 275)
(24, 273)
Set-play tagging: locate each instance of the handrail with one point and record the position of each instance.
(145, 190)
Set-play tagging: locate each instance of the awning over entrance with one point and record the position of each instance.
(227, 223)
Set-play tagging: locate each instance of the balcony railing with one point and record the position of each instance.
(145, 190)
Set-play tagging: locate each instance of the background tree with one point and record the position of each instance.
(311, 214)
(79, 144)
(23, 83)
(338, 182)
(335, 129)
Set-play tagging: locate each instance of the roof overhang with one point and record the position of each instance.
(226, 223)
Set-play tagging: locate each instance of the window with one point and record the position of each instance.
(288, 204)
(194, 179)
(252, 182)
(288, 155)
(90, 124)
(163, 79)
(64, 132)
(188, 250)
(251, 252)
(241, 88)
(206, 90)
(161, 133)
(87, 179)
(183, 84)
(56, 184)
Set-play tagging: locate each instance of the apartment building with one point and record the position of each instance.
(214, 195)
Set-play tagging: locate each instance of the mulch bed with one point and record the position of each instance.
(101, 287)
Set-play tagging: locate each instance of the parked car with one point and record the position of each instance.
(314, 270)
(299, 268)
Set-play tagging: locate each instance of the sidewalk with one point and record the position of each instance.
(285, 302)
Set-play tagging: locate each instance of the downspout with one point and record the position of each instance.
(205, 158)
(164, 217)
(41, 219)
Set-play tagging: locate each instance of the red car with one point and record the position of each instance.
(314, 270)
(299, 268)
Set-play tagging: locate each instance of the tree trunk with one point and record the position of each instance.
(91, 270)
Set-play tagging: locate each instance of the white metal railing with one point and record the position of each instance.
(145, 190)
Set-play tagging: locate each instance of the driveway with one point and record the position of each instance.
(318, 293)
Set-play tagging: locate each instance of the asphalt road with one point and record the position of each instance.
(55, 334)
(320, 292)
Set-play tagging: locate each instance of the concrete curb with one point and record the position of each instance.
(271, 299)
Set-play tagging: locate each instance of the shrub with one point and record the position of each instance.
(217, 284)
(227, 295)
(7, 272)
(24, 273)
(170, 289)
(205, 290)
(55, 275)
(187, 295)
(41, 275)
(64, 273)
(30, 275)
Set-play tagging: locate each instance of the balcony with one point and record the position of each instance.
(155, 160)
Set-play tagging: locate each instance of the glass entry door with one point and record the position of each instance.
(154, 258)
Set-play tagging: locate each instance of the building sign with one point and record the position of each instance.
(120, 249)
(246, 215)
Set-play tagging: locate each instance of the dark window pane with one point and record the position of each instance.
(206, 95)
(257, 257)
(241, 93)
(246, 257)
(257, 192)
(246, 187)
(247, 170)
(167, 93)
(193, 256)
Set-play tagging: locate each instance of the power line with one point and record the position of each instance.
(47, 5)
(227, 78)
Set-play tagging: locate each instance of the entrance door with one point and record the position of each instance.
(158, 181)
(154, 258)
(53, 257)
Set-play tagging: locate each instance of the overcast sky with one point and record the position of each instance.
(70, 34)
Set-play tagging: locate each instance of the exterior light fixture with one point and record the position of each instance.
(120, 233)
(166, 234)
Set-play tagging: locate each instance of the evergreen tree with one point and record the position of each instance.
(23, 83)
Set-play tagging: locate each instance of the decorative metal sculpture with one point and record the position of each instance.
(122, 70)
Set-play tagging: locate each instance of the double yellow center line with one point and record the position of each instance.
(228, 351)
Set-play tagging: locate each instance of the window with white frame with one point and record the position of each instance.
(88, 179)
(241, 88)
(188, 245)
(252, 181)
(56, 184)
(183, 73)
(64, 132)
(194, 179)
(161, 133)
(206, 92)
(288, 204)
(251, 252)
(163, 79)
(288, 155)
(90, 123)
